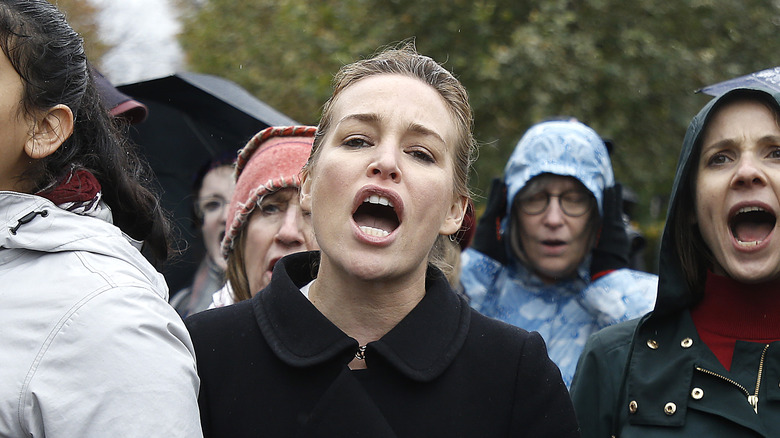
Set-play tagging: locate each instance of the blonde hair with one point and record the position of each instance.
(404, 60)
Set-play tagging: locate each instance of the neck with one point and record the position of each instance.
(364, 309)
(749, 312)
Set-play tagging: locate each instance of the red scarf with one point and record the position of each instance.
(732, 311)
(79, 187)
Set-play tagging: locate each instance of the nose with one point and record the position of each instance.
(553, 215)
(385, 162)
(223, 214)
(748, 174)
(291, 228)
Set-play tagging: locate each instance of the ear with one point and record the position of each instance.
(305, 193)
(455, 215)
(51, 130)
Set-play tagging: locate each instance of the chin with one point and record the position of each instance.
(744, 273)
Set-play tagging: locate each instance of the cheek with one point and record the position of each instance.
(526, 226)
(211, 225)
(258, 240)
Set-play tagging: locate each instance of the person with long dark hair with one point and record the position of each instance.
(89, 345)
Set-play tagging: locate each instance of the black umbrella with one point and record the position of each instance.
(192, 119)
(769, 78)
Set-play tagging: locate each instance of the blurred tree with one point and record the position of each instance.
(628, 69)
(82, 16)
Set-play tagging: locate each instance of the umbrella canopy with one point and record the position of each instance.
(768, 78)
(192, 119)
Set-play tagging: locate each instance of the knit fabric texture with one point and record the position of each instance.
(270, 161)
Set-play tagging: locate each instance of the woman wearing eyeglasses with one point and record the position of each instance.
(558, 186)
(212, 189)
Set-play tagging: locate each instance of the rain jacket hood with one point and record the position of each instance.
(35, 224)
(566, 148)
(673, 292)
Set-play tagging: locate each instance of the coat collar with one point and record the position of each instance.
(662, 375)
(420, 347)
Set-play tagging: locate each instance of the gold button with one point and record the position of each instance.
(697, 393)
(652, 344)
(670, 408)
(686, 343)
(632, 407)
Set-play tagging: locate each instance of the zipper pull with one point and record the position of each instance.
(753, 400)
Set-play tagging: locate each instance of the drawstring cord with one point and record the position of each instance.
(27, 218)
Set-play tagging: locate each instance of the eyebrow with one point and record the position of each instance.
(731, 142)
(770, 139)
(422, 130)
(376, 118)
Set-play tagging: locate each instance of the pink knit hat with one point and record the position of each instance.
(270, 161)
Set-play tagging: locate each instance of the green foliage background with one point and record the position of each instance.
(628, 69)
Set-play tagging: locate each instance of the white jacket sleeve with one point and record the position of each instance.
(119, 364)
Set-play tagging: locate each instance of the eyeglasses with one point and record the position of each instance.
(574, 203)
(210, 205)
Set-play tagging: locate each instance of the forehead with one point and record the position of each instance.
(395, 98)
(739, 118)
(553, 183)
(282, 195)
(218, 178)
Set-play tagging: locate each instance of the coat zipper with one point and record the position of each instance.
(751, 398)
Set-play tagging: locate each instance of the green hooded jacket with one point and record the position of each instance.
(654, 377)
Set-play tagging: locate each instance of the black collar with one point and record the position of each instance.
(420, 347)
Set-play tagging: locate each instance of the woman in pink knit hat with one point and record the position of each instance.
(264, 219)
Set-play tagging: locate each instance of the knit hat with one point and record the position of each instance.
(272, 160)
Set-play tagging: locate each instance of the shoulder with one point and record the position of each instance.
(509, 342)
(540, 404)
(231, 317)
(614, 337)
(622, 295)
(597, 386)
(629, 277)
(119, 339)
(605, 354)
(478, 273)
(477, 266)
(221, 328)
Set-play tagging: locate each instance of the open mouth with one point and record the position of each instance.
(751, 225)
(272, 264)
(553, 242)
(376, 216)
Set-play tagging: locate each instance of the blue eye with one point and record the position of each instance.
(422, 155)
(356, 142)
(270, 209)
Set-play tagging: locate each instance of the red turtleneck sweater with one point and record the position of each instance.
(732, 311)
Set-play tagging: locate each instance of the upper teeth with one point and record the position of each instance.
(376, 199)
(749, 209)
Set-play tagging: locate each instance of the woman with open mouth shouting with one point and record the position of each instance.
(705, 362)
(366, 337)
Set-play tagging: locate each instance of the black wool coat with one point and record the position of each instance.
(274, 366)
